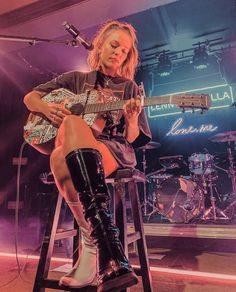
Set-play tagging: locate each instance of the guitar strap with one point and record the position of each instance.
(110, 125)
(86, 101)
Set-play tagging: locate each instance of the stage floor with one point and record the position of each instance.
(163, 281)
(183, 257)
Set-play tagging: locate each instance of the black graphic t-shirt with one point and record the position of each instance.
(111, 89)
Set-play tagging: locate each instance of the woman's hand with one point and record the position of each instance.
(132, 108)
(56, 113)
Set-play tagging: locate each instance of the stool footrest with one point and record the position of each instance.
(65, 234)
(133, 237)
(54, 284)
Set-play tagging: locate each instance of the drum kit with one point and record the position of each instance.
(195, 197)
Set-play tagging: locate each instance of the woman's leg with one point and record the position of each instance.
(65, 186)
(77, 135)
(88, 160)
(85, 271)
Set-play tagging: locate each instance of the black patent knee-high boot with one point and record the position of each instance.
(86, 169)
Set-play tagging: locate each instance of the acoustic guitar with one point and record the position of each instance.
(40, 133)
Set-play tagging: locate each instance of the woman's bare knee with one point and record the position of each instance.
(75, 133)
(72, 122)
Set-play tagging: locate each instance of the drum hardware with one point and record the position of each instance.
(167, 163)
(149, 146)
(203, 172)
(229, 138)
(221, 168)
(232, 175)
(171, 162)
(158, 177)
(213, 212)
(177, 199)
(232, 172)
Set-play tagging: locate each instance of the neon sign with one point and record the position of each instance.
(221, 97)
(176, 129)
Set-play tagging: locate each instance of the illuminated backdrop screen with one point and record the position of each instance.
(187, 133)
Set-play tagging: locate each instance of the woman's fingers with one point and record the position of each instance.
(132, 106)
(57, 113)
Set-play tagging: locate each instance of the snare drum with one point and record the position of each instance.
(201, 164)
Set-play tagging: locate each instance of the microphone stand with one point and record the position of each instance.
(34, 40)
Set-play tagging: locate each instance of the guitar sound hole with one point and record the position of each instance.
(77, 109)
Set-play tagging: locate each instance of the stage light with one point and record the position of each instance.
(200, 58)
(164, 66)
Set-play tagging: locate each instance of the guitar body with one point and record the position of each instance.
(40, 133)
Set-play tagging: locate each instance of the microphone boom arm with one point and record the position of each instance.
(31, 40)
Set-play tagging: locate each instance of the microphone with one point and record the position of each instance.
(76, 35)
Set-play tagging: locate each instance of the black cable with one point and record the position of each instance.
(19, 270)
(17, 204)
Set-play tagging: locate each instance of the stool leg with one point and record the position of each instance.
(141, 243)
(120, 213)
(76, 242)
(47, 245)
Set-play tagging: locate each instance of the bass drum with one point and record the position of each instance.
(178, 199)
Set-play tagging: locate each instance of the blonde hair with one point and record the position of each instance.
(127, 69)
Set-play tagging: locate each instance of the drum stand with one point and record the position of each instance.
(230, 138)
(144, 167)
(232, 174)
(212, 213)
(232, 171)
(155, 210)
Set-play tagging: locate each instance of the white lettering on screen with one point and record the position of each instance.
(176, 129)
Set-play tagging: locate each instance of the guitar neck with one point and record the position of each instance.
(118, 105)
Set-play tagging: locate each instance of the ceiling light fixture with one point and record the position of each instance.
(200, 58)
(164, 66)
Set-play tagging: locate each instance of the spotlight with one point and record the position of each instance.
(200, 58)
(164, 65)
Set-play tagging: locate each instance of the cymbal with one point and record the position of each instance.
(229, 136)
(150, 145)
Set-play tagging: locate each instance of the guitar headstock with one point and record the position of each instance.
(192, 101)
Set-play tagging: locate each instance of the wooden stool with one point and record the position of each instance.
(118, 181)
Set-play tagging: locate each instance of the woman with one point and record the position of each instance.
(84, 155)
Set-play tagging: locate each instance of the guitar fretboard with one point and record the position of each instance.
(118, 105)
